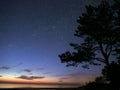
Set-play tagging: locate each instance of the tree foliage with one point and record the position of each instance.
(99, 28)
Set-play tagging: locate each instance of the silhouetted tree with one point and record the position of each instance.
(116, 7)
(112, 73)
(99, 33)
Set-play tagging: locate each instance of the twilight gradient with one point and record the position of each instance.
(32, 35)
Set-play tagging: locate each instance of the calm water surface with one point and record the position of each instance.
(34, 86)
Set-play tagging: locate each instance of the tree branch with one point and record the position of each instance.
(101, 48)
(106, 61)
(109, 51)
(100, 60)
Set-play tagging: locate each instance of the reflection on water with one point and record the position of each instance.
(34, 86)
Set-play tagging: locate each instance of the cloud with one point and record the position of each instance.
(63, 78)
(9, 67)
(5, 67)
(40, 69)
(60, 81)
(68, 76)
(60, 75)
(47, 73)
(17, 64)
(30, 77)
(74, 74)
(1, 76)
(27, 70)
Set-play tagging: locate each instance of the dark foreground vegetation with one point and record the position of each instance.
(95, 86)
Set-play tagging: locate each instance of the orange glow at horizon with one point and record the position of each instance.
(17, 80)
(46, 81)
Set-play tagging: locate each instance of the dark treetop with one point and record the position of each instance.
(99, 28)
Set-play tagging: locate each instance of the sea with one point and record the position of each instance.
(35, 86)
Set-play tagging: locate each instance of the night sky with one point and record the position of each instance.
(32, 35)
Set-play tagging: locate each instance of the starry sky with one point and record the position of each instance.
(32, 35)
